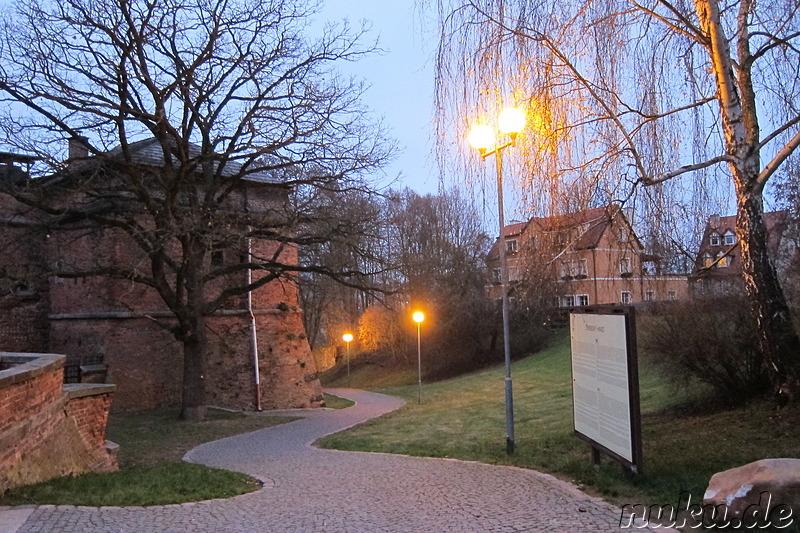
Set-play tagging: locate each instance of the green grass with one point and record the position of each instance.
(465, 418)
(151, 471)
(156, 484)
(369, 375)
(335, 402)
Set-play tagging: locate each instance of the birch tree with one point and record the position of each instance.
(671, 104)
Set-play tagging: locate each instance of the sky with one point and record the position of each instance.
(400, 81)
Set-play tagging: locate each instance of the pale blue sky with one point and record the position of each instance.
(401, 81)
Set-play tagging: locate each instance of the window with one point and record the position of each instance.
(625, 265)
(496, 278)
(625, 297)
(723, 261)
(566, 269)
(511, 246)
(23, 288)
(582, 299)
(672, 295)
(708, 260)
(568, 300)
(650, 296)
(714, 239)
(581, 268)
(729, 238)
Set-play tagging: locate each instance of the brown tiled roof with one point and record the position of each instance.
(597, 219)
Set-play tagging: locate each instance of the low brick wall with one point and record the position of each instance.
(48, 429)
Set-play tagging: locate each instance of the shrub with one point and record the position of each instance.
(713, 341)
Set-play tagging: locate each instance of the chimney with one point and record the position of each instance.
(713, 221)
(78, 148)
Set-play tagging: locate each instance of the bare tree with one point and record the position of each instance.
(183, 105)
(626, 95)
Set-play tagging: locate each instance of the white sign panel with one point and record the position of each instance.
(600, 381)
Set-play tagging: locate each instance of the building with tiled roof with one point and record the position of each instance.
(115, 331)
(590, 257)
(718, 267)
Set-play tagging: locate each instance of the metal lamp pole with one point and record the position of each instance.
(347, 337)
(512, 121)
(418, 317)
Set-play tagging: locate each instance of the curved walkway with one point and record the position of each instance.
(308, 490)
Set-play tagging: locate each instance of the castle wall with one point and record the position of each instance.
(48, 429)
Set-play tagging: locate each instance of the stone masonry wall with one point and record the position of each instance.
(46, 429)
(146, 362)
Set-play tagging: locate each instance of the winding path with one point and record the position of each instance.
(312, 490)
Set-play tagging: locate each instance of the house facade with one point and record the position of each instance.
(591, 257)
(116, 331)
(718, 267)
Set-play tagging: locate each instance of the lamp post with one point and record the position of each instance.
(418, 317)
(511, 121)
(348, 338)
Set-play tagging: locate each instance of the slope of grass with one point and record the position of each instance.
(336, 402)
(465, 418)
(151, 471)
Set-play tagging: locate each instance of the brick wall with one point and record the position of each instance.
(122, 324)
(46, 429)
(24, 294)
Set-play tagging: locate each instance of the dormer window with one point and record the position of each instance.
(714, 240)
(511, 246)
(723, 261)
(729, 238)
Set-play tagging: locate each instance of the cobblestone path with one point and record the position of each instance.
(312, 490)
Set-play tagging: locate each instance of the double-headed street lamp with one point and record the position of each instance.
(348, 338)
(418, 317)
(511, 121)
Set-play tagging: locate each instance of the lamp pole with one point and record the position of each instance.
(348, 338)
(512, 120)
(418, 317)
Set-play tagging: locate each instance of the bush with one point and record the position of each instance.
(713, 341)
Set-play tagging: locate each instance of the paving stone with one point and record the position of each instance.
(307, 489)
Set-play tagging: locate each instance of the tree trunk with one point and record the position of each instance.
(778, 341)
(195, 347)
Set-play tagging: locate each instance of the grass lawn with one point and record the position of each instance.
(335, 402)
(151, 471)
(465, 418)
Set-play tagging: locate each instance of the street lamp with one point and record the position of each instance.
(348, 338)
(511, 121)
(418, 317)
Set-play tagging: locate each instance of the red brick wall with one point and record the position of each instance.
(76, 316)
(46, 431)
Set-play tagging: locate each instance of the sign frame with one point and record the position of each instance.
(628, 314)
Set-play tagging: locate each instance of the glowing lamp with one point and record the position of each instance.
(481, 137)
(347, 337)
(511, 121)
(418, 317)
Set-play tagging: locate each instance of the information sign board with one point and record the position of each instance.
(605, 382)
